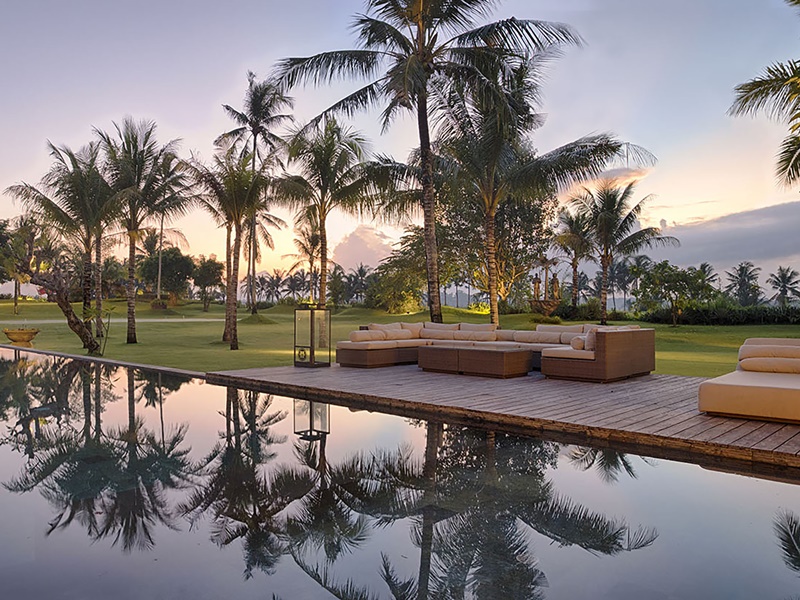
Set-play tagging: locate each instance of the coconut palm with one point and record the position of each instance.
(332, 176)
(410, 48)
(264, 104)
(777, 93)
(573, 237)
(229, 190)
(142, 174)
(786, 283)
(615, 228)
(743, 283)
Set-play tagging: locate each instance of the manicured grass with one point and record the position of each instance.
(267, 340)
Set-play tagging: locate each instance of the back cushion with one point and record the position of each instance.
(566, 338)
(505, 335)
(414, 328)
(475, 336)
(477, 327)
(398, 334)
(561, 328)
(367, 336)
(538, 337)
(384, 326)
(436, 334)
(772, 342)
(771, 365)
(441, 326)
(769, 352)
(578, 342)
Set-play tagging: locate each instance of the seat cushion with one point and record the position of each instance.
(505, 335)
(452, 343)
(567, 352)
(377, 345)
(412, 343)
(751, 394)
(477, 327)
(536, 347)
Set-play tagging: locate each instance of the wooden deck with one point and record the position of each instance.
(654, 415)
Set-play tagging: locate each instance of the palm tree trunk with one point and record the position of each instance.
(575, 282)
(97, 397)
(323, 260)
(428, 508)
(98, 284)
(86, 385)
(604, 264)
(75, 324)
(86, 283)
(233, 280)
(429, 209)
(160, 249)
(16, 295)
(491, 266)
(251, 265)
(131, 289)
(226, 334)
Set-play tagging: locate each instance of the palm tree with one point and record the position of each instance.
(776, 92)
(229, 191)
(141, 176)
(574, 238)
(256, 123)
(615, 228)
(357, 281)
(786, 283)
(308, 243)
(332, 175)
(743, 283)
(415, 48)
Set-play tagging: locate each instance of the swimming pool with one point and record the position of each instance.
(130, 483)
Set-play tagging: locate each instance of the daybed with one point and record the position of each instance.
(765, 384)
(398, 343)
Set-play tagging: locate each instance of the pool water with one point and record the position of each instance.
(123, 483)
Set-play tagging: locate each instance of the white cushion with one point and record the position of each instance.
(367, 336)
(536, 347)
(772, 342)
(398, 334)
(384, 326)
(566, 337)
(777, 351)
(505, 335)
(436, 334)
(477, 326)
(452, 343)
(578, 342)
(412, 343)
(440, 326)
(414, 328)
(538, 337)
(475, 336)
(567, 352)
(560, 328)
(751, 394)
(771, 365)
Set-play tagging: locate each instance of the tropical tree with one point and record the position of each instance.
(786, 283)
(615, 229)
(207, 276)
(743, 283)
(142, 174)
(333, 175)
(264, 104)
(409, 49)
(229, 190)
(776, 92)
(176, 269)
(307, 240)
(573, 237)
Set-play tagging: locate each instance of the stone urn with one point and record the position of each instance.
(21, 336)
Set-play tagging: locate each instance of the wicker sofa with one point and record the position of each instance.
(382, 345)
(765, 384)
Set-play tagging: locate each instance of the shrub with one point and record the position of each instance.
(724, 312)
(479, 307)
(540, 318)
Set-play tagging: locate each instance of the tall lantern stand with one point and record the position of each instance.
(311, 420)
(312, 336)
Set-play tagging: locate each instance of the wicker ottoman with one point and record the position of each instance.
(485, 362)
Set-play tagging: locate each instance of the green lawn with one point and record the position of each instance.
(267, 341)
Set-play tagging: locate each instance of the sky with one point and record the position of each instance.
(658, 74)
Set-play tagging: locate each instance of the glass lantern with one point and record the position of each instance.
(312, 336)
(311, 420)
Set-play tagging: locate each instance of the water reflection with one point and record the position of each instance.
(607, 462)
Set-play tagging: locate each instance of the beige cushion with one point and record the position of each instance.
(771, 365)
(436, 334)
(538, 337)
(535, 347)
(590, 343)
(500, 345)
(561, 328)
(384, 326)
(414, 328)
(377, 345)
(412, 343)
(578, 342)
(398, 334)
(765, 351)
(772, 342)
(567, 352)
(475, 336)
(566, 338)
(587, 327)
(452, 343)
(477, 326)
(505, 335)
(752, 394)
(367, 336)
(440, 326)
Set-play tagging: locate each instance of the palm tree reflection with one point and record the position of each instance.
(608, 463)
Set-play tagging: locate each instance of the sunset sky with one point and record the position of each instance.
(659, 74)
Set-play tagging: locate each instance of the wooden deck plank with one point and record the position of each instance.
(654, 415)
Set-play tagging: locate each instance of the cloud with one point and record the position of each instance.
(766, 236)
(364, 245)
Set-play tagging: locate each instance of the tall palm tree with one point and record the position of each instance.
(776, 92)
(786, 283)
(264, 104)
(743, 283)
(308, 243)
(574, 238)
(408, 49)
(614, 219)
(256, 228)
(138, 172)
(332, 176)
(229, 191)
